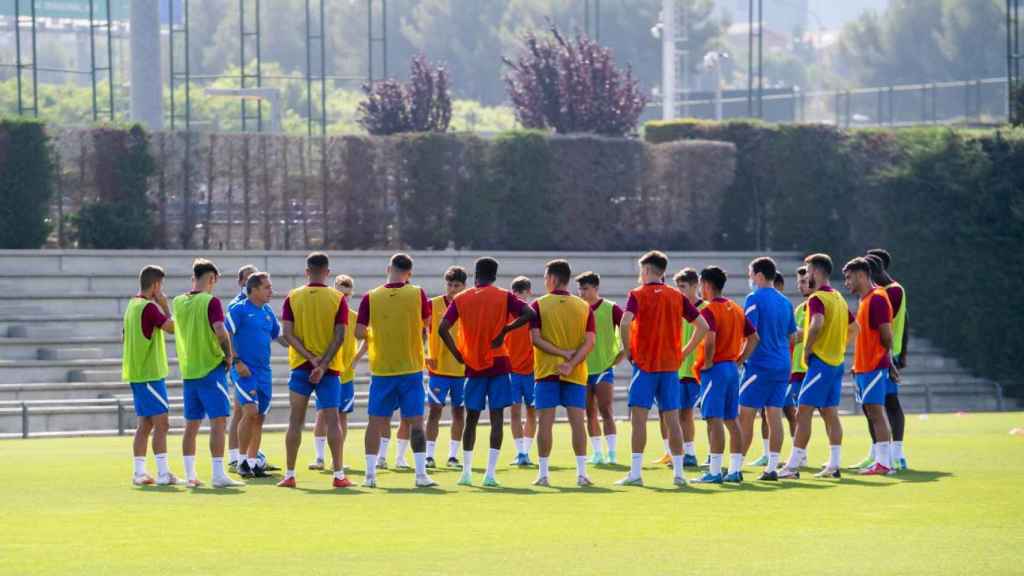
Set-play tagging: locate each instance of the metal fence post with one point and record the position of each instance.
(999, 397)
(849, 111)
(24, 420)
(892, 110)
(927, 398)
(838, 93)
(120, 418)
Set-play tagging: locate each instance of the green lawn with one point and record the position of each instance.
(68, 508)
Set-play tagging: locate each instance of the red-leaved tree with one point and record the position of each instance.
(424, 104)
(573, 86)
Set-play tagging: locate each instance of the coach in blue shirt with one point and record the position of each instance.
(763, 385)
(253, 327)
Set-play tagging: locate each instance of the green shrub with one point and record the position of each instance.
(120, 216)
(27, 177)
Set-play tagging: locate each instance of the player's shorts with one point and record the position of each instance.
(762, 388)
(490, 392)
(689, 393)
(822, 384)
(872, 386)
(892, 387)
(403, 392)
(606, 377)
(257, 389)
(347, 405)
(150, 398)
(440, 387)
(554, 393)
(793, 389)
(522, 388)
(207, 396)
(647, 387)
(719, 391)
(328, 390)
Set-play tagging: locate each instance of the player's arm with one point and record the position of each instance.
(749, 345)
(224, 338)
(579, 356)
(161, 301)
(548, 347)
(444, 331)
(361, 351)
(710, 340)
(526, 316)
(288, 333)
(852, 329)
(624, 325)
(700, 330)
(332, 349)
(813, 332)
(901, 360)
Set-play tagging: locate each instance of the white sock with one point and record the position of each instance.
(764, 443)
(431, 448)
(161, 464)
(420, 458)
(339, 474)
(382, 453)
(897, 450)
(871, 452)
(689, 449)
(371, 465)
(492, 462)
(610, 440)
(140, 465)
(677, 466)
(833, 456)
(190, 467)
(883, 453)
(581, 465)
(467, 461)
(796, 457)
(453, 448)
(252, 462)
(289, 474)
(773, 461)
(543, 468)
(636, 463)
(218, 467)
(519, 445)
(716, 464)
(232, 454)
(667, 449)
(400, 449)
(527, 443)
(318, 443)
(735, 462)
(595, 443)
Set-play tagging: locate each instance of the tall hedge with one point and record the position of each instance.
(948, 205)
(27, 177)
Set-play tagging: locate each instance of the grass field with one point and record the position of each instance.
(68, 508)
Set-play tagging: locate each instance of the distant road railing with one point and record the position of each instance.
(979, 101)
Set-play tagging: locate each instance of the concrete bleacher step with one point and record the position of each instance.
(70, 353)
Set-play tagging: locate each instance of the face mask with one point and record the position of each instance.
(750, 282)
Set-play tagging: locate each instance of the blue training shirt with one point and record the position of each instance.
(253, 330)
(772, 316)
(238, 299)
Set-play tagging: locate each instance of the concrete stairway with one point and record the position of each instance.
(60, 325)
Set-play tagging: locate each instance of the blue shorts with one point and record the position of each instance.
(439, 387)
(689, 392)
(403, 392)
(348, 398)
(892, 388)
(762, 388)
(522, 388)
(491, 392)
(328, 390)
(207, 396)
(822, 384)
(720, 391)
(646, 387)
(872, 386)
(793, 389)
(150, 398)
(553, 393)
(257, 389)
(606, 377)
